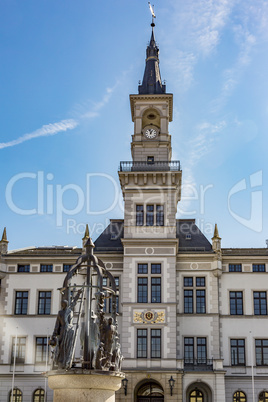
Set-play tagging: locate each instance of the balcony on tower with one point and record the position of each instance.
(150, 165)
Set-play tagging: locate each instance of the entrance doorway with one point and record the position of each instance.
(150, 392)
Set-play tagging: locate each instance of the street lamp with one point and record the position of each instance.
(124, 383)
(171, 384)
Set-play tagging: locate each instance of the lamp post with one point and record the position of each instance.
(171, 384)
(124, 383)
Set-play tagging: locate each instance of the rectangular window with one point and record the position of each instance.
(261, 349)
(155, 343)
(260, 303)
(238, 352)
(149, 215)
(160, 215)
(142, 343)
(236, 303)
(201, 350)
(258, 267)
(21, 303)
(142, 290)
(235, 268)
(41, 349)
(200, 282)
(108, 302)
(189, 350)
(188, 281)
(150, 160)
(139, 215)
(67, 267)
(46, 268)
(44, 303)
(20, 350)
(156, 269)
(142, 268)
(23, 268)
(200, 301)
(188, 302)
(156, 290)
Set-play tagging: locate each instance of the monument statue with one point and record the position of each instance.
(98, 331)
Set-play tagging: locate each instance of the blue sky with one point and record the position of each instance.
(67, 69)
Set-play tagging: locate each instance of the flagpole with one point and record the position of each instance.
(14, 363)
(45, 399)
(252, 367)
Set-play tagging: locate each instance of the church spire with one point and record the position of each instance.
(151, 83)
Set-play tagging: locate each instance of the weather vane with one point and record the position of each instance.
(152, 12)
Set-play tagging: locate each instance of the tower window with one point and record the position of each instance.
(160, 215)
(149, 215)
(139, 215)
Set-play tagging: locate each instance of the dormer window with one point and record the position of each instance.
(188, 236)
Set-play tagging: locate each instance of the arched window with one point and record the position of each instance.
(239, 396)
(196, 396)
(263, 397)
(17, 395)
(150, 391)
(39, 395)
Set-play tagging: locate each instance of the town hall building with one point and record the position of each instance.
(192, 315)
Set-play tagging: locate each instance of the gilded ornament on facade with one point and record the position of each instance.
(149, 317)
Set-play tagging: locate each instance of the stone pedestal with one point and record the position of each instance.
(76, 386)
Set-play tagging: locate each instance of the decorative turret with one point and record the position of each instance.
(216, 240)
(86, 236)
(4, 243)
(151, 83)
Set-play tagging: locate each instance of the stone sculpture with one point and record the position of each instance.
(98, 331)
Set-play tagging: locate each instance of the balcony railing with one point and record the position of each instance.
(141, 166)
(198, 364)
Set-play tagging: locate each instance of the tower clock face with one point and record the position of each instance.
(150, 133)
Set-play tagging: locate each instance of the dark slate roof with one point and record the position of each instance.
(110, 239)
(151, 83)
(191, 239)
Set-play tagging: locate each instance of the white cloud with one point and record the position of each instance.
(44, 131)
(63, 125)
(194, 33)
(94, 109)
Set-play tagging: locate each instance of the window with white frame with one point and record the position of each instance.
(194, 295)
(149, 338)
(149, 283)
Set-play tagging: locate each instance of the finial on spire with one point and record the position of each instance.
(216, 232)
(4, 236)
(153, 14)
(86, 236)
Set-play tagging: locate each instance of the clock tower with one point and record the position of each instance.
(151, 187)
(151, 182)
